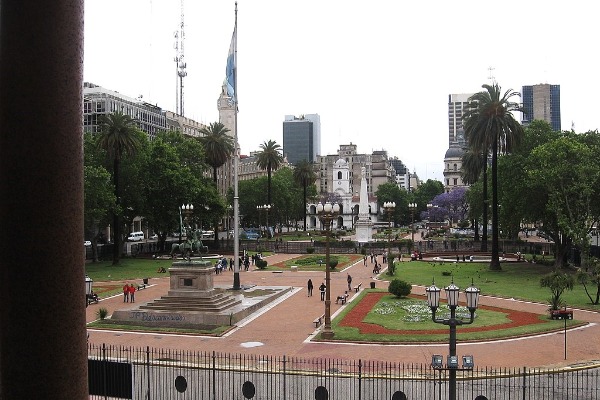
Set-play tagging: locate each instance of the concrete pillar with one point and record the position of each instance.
(42, 297)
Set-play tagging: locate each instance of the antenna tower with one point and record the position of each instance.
(491, 76)
(180, 65)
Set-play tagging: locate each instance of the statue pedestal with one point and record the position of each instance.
(191, 279)
(364, 231)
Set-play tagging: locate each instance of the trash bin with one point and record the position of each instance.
(372, 285)
(145, 281)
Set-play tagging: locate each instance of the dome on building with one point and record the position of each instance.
(341, 163)
(454, 151)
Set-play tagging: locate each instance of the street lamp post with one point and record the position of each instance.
(389, 207)
(188, 211)
(327, 213)
(265, 208)
(412, 207)
(433, 301)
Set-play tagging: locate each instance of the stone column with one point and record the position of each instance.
(42, 296)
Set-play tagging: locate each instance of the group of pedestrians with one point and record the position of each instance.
(128, 293)
(323, 287)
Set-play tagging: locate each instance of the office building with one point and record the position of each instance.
(301, 138)
(457, 103)
(99, 101)
(542, 102)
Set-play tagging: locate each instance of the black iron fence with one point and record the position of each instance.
(136, 373)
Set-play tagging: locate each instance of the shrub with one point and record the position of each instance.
(310, 250)
(102, 313)
(399, 288)
(333, 262)
(363, 250)
(446, 273)
(261, 264)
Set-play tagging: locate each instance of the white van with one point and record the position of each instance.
(136, 236)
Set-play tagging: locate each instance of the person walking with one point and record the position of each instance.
(125, 293)
(349, 279)
(310, 287)
(322, 290)
(131, 293)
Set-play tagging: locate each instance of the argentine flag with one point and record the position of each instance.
(230, 69)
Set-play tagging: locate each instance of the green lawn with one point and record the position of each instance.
(413, 314)
(128, 269)
(316, 262)
(516, 280)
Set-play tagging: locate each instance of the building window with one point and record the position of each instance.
(455, 181)
(455, 167)
(339, 175)
(447, 182)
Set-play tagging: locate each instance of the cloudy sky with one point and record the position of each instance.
(378, 73)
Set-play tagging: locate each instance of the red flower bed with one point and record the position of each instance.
(356, 316)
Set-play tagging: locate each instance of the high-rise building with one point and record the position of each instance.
(457, 103)
(542, 102)
(301, 138)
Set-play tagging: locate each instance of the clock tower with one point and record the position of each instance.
(226, 108)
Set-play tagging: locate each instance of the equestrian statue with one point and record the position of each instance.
(192, 245)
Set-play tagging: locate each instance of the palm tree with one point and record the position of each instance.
(490, 125)
(269, 158)
(304, 175)
(218, 147)
(119, 137)
(474, 166)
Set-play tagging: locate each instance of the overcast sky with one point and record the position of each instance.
(378, 73)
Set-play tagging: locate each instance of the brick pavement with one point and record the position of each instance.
(286, 327)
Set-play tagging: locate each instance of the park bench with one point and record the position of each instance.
(342, 298)
(561, 314)
(357, 287)
(318, 321)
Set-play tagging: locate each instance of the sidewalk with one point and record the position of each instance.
(286, 327)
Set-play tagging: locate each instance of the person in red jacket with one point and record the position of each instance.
(125, 293)
(132, 293)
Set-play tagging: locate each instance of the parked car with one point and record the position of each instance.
(87, 243)
(153, 237)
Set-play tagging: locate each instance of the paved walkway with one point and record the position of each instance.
(286, 327)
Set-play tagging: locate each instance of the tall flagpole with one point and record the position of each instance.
(236, 158)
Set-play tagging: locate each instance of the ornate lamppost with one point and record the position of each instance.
(433, 301)
(327, 213)
(412, 207)
(265, 208)
(389, 207)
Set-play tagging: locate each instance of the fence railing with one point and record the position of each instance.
(138, 373)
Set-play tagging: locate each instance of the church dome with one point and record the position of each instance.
(454, 152)
(341, 163)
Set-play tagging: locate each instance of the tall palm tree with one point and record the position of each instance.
(218, 147)
(474, 166)
(304, 175)
(490, 125)
(269, 158)
(119, 137)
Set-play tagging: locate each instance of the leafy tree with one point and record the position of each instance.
(491, 126)
(390, 192)
(427, 191)
(269, 158)
(98, 201)
(557, 282)
(304, 175)
(119, 138)
(169, 183)
(451, 204)
(590, 276)
(569, 171)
